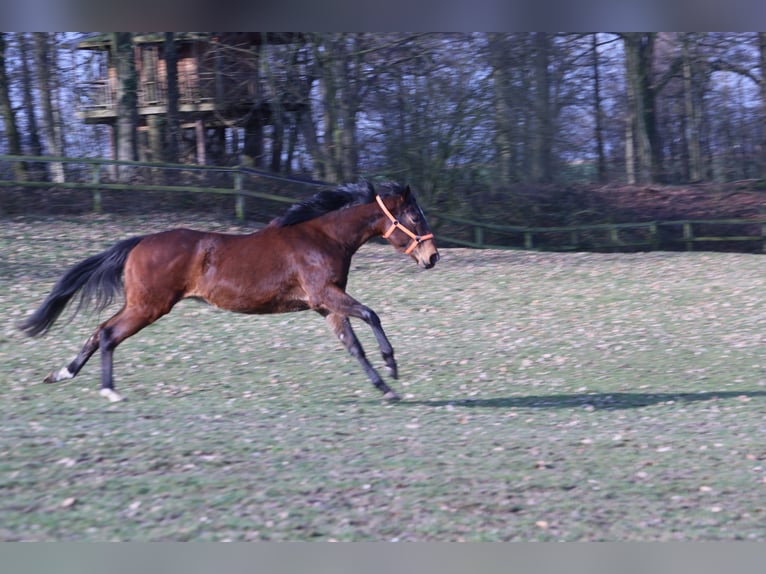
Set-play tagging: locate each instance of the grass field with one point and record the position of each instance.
(547, 397)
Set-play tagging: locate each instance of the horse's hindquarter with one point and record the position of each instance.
(158, 269)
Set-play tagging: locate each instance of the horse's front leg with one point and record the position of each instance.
(342, 328)
(336, 300)
(386, 350)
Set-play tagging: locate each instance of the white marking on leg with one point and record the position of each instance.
(110, 394)
(62, 374)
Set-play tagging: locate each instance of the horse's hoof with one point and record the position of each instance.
(392, 396)
(111, 395)
(61, 375)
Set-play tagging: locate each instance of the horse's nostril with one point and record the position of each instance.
(434, 258)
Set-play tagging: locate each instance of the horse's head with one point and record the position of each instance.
(407, 229)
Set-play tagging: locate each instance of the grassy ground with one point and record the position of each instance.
(548, 397)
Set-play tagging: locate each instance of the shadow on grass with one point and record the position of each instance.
(607, 401)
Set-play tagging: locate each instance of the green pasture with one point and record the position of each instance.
(548, 397)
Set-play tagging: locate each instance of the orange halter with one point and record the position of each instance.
(416, 239)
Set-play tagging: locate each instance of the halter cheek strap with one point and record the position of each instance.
(416, 239)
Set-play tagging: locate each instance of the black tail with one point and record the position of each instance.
(99, 277)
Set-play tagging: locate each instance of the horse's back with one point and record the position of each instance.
(167, 248)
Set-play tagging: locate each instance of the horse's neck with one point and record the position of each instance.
(357, 225)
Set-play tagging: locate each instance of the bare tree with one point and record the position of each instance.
(598, 114)
(642, 126)
(762, 62)
(52, 129)
(8, 113)
(172, 122)
(127, 98)
(34, 144)
(542, 138)
(509, 60)
(691, 111)
(338, 60)
(33, 136)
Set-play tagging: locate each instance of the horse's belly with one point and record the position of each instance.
(248, 281)
(240, 301)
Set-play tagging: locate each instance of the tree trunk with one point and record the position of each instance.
(691, 112)
(542, 138)
(56, 89)
(762, 50)
(352, 79)
(630, 152)
(253, 146)
(9, 117)
(200, 141)
(315, 150)
(45, 83)
(127, 99)
(172, 130)
(154, 129)
(340, 87)
(504, 125)
(292, 142)
(329, 109)
(639, 51)
(39, 170)
(598, 113)
(277, 142)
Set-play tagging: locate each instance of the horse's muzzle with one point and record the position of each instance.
(432, 260)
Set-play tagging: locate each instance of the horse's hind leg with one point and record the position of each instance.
(108, 335)
(127, 322)
(342, 328)
(71, 370)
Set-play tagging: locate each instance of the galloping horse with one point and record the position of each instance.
(299, 261)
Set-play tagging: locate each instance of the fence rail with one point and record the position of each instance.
(650, 235)
(686, 234)
(95, 167)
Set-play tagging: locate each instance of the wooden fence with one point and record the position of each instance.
(644, 236)
(450, 231)
(96, 184)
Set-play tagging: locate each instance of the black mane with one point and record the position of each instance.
(332, 200)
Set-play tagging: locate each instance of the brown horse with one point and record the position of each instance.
(299, 261)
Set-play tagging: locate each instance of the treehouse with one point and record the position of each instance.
(220, 94)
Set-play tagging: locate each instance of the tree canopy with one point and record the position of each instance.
(456, 114)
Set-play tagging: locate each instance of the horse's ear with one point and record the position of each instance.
(371, 188)
(407, 192)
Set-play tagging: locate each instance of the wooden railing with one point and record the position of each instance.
(193, 89)
(651, 235)
(96, 167)
(450, 230)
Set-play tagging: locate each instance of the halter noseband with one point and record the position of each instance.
(416, 239)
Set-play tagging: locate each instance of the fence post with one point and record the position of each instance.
(478, 236)
(239, 205)
(614, 237)
(688, 236)
(528, 240)
(654, 238)
(96, 179)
